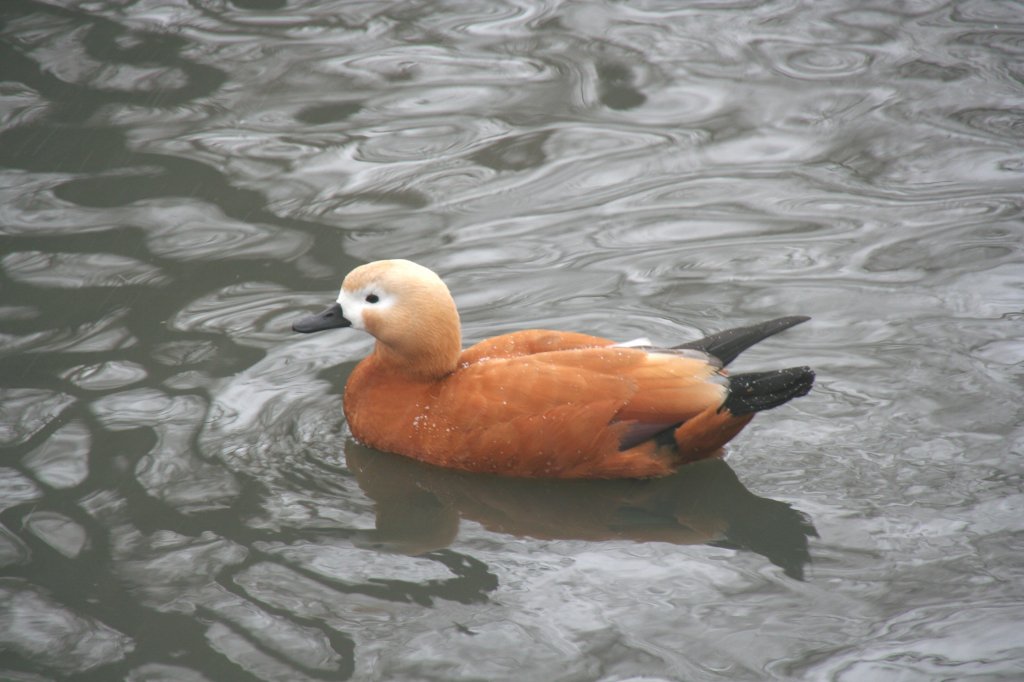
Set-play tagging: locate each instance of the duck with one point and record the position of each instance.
(538, 403)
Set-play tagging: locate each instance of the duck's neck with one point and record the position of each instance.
(428, 358)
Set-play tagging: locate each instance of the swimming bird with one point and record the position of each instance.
(538, 403)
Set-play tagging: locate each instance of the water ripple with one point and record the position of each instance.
(13, 552)
(170, 471)
(1008, 123)
(59, 532)
(75, 270)
(252, 313)
(801, 61)
(16, 489)
(44, 630)
(62, 460)
(26, 411)
(200, 233)
(105, 333)
(430, 139)
(107, 375)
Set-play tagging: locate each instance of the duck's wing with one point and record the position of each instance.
(644, 389)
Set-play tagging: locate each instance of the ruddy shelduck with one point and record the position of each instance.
(538, 403)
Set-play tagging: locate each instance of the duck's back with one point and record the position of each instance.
(529, 342)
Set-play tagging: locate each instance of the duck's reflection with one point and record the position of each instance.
(419, 507)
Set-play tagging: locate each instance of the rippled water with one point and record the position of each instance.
(179, 495)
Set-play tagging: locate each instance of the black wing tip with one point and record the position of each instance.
(727, 345)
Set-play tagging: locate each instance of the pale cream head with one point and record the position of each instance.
(410, 312)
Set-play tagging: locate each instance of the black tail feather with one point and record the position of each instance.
(728, 344)
(758, 391)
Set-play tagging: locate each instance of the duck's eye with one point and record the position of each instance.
(372, 298)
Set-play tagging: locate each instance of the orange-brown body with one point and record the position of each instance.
(534, 403)
(539, 403)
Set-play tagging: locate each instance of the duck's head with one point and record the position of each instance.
(403, 305)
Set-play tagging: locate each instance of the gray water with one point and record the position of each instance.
(181, 499)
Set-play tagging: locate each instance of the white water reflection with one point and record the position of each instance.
(26, 411)
(62, 460)
(38, 626)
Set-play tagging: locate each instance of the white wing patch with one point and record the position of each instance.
(642, 342)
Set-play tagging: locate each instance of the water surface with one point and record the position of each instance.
(180, 498)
